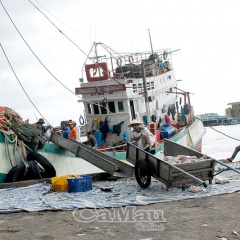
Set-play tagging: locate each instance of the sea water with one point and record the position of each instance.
(219, 142)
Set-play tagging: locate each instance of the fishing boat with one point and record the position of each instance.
(119, 87)
(116, 88)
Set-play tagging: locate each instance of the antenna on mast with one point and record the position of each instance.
(150, 40)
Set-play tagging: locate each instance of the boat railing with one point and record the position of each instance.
(129, 65)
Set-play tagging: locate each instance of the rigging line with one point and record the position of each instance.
(40, 60)
(94, 22)
(87, 59)
(22, 85)
(58, 29)
(43, 64)
(219, 131)
(225, 134)
(87, 55)
(110, 49)
(33, 51)
(62, 21)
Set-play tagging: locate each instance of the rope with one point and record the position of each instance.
(225, 134)
(7, 150)
(12, 126)
(220, 131)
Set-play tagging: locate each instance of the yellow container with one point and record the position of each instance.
(60, 184)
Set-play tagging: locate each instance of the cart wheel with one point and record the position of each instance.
(142, 174)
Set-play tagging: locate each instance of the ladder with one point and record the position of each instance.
(107, 163)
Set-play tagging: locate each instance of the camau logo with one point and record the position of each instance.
(127, 214)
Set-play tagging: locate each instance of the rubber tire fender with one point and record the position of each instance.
(142, 170)
(17, 173)
(33, 171)
(49, 168)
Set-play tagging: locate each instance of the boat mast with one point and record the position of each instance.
(145, 91)
(150, 40)
(145, 84)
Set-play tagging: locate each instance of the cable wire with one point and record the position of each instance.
(224, 134)
(47, 68)
(220, 131)
(62, 21)
(22, 85)
(58, 28)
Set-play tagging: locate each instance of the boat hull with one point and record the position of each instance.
(63, 161)
(66, 162)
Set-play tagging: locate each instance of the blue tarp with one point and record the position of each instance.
(125, 192)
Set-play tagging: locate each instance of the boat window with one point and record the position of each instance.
(148, 85)
(152, 85)
(120, 107)
(136, 105)
(89, 107)
(169, 77)
(111, 107)
(134, 88)
(103, 109)
(140, 86)
(95, 108)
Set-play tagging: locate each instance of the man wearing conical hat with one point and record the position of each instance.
(142, 135)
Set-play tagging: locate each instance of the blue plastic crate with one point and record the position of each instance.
(81, 184)
(87, 182)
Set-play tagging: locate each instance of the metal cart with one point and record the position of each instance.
(148, 165)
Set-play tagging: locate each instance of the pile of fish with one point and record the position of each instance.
(183, 159)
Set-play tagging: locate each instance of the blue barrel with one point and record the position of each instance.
(167, 131)
(125, 136)
(98, 136)
(145, 120)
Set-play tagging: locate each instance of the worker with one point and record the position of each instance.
(142, 135)
(237, 149)
(92, 141)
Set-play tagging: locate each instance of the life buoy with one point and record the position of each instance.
(130, 59)
(81, 120)
(119, 62)
(91, 71)
(165, 55)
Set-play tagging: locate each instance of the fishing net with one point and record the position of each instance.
(19, 132)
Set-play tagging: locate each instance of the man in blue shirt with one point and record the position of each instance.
(65, 130)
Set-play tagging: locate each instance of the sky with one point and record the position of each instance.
(206, 32)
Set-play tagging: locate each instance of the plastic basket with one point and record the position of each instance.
(81, 184)
(60, 184)
(87, 182)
